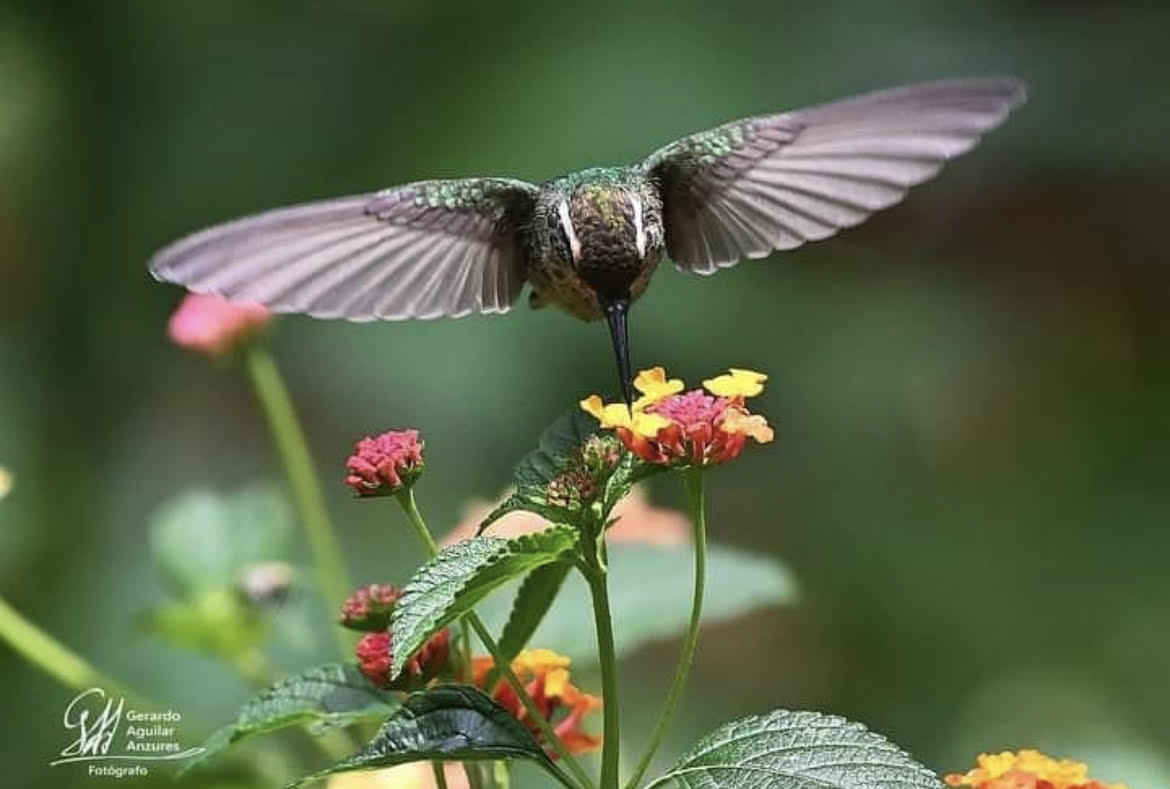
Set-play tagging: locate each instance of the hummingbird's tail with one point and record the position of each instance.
(616, 313)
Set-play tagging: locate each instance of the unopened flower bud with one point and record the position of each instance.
(571, 490)
(374, 657)
(600, 454)
(212, 325)
(375, 653)
(369, 607)
(385, 464)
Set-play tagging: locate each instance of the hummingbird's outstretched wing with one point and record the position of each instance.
(753, 186)
(422, 250)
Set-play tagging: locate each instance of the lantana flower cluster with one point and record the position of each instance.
(547, 680)
(1027, 769)
(385, 464)
(668, 426)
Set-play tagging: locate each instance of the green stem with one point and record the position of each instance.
(440, 775)
(54, 658)
(328, 562)
(406, 500)
(695, 501)
(607, 654)
(465, 630)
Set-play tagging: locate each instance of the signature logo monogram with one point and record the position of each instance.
(95, 721)
(95, 732)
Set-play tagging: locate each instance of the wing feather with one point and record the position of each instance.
(423, 250)
(751, 187)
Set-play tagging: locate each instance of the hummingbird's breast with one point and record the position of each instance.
(597, 237)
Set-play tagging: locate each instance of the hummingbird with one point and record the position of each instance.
(590, 241)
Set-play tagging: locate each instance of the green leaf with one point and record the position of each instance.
(542, 465)
(451, 584)
(215, 621)
(202, 539)
(629, 472)
(446, 723)
(536, 596)
(335, 694)
(797, 750)
(650, 592)
(555, 445)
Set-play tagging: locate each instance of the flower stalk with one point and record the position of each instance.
(405, 498)
(597, 577)
(328, 562)
(693, 480)
(52, 657)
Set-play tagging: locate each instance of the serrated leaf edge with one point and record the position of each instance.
(759, 725)
(525, 543)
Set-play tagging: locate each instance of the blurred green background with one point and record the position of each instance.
(970, 477)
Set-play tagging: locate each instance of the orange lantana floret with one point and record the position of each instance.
(546, 679)
(1026, 769)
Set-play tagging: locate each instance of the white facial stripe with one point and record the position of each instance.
(570, 233)
(639, 229)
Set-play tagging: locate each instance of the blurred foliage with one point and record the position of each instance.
(205, 544)
(970, 471)
(650, 589)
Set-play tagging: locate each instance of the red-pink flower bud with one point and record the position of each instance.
(375, 652)
(385, 464)
(369, 607)
(374, 657)
(212, 325)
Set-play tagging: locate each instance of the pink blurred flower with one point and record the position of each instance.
(385, 464)
(212, 325)
(638, 522)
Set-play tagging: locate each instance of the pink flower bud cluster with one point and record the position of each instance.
(385, 464)
(369, 607)
(375, 654)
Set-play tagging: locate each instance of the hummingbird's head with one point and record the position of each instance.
(605, 228)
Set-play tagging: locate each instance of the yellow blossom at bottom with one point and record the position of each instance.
(415, 775)
(1026, 769)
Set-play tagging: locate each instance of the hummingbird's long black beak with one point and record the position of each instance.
(616, 313)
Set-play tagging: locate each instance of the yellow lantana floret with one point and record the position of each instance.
(655, 386)
(1060, 773)
(736, 383)
(614, 415)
